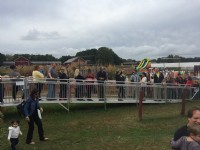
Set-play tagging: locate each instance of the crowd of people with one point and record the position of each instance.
(186, 137)
(140, 78)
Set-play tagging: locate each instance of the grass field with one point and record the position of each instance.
(90, 127)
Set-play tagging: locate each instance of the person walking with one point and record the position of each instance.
(13, 134)
(32, 112)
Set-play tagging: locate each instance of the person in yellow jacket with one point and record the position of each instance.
(38, 78)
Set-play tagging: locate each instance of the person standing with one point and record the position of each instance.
(52, 78)
(32, 112)
(101, 77)
(180, 82)
(63, 76)
(41, 69)
(37, 78)
(89, 84)
(14, 74)
(26, 87)
(1, 91)
(13, 134)
(158, 78)
(79, 85)
(121, 82)
(143, 82)
(134, 78)
(170, 82)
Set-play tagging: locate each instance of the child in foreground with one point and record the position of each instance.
(190, 142)
(13, 134)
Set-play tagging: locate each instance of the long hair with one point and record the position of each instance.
(76, 72)
(33, 93)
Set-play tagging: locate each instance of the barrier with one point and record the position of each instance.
(74, 91)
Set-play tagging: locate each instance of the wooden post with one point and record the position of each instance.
(140, 105)
(183, 102)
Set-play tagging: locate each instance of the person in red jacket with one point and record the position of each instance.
(89, 87)
(189, 81)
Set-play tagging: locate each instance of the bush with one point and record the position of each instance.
(1, 116)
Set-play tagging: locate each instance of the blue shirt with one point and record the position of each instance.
(31, 106)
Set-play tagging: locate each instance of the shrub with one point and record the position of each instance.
(1, 116)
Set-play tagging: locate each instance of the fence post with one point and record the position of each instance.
(68, 93)
(140, 105)
(183, 102)
(104, 95)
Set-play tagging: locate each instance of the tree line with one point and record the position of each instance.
(101, 56)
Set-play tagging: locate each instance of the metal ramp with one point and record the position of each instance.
(112, 92)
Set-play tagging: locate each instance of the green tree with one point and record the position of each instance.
(65, 58)
(89, 54)
(9, 57)
(2, 59)
(105, 56)
(46, 57)
(118, 60)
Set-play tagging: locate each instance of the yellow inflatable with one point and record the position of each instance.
(143, 64)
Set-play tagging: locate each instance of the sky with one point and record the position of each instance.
(133, 29)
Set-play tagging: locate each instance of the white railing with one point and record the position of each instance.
(13, 91)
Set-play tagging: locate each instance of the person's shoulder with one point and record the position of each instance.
(10, 128)
(182, 128)
(29, 100)
(182, 131)
(37, 100)
(194, 145)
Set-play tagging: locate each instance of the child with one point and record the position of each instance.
(190, 142)
(13, 134)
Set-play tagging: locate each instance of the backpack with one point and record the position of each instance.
(20, 108)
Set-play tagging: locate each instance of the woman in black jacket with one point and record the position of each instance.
(32, 111)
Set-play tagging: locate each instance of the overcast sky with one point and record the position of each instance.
(134, 29)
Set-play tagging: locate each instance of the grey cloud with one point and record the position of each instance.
(139, 29)
(35, 35)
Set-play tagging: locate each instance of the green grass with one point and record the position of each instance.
(90, 127)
